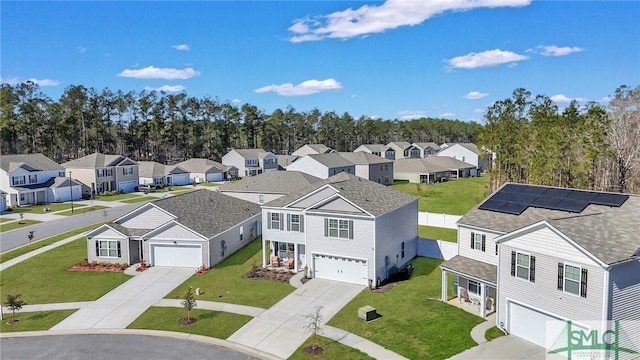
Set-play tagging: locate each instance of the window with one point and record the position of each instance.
(474, 288)
(127, 171)
(18, 180)
(381, 168)
(261, 199)
(523, 266)
(496, 249)
(33, 179)
(241, 232)
(402, 249)
(295, 222)
(22, 197)
(61, 173)
(572, 279)
(285, 250)
(386, 167)
(463, 158)
(478, 241)
(108, 248)
(338, 228)
(275, 221)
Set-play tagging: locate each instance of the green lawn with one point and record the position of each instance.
(174, 189)
(5, 220)
(34, 321)
(412, 323)
(438, 233)
(39, 209)
(207, 184)
(455, 197)
(44, 242)
(17, 224)
(117, 197)
(139, 199)
(493, 333)
(225, 283)
(332, 350)
(44, 278)
(82, 210)
(210, 323)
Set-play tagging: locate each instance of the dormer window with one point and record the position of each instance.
(33, 179)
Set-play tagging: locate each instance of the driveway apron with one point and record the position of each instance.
(505, 348)
(280, 330)
(121, 306)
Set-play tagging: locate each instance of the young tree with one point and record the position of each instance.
(314, 327)
(30, 236)
(189, 303)
(14, 303)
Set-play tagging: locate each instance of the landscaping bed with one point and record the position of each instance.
(260, 273)
(85, 265)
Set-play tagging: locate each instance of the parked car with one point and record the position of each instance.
(146, 188)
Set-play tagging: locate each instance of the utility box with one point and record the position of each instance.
(367, 313)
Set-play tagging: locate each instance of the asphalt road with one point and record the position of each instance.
(110, 347)
(15, 238)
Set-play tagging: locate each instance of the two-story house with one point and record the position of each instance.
(466, 152)
(35, 179)
(381, 150)
(153, 172)
(251, 162)
(426, 148)
(400, 149)
(541, 256)
(371, 167)
(322, 165)
(103, 173)
(345, 228)
(206, 170)
(309, 149)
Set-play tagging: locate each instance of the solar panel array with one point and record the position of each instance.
(516, 198)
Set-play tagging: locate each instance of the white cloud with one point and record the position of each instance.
(236, 101)
(478, 111)
(485, 58)
(181, 47)
(447, 115)
(561, 98)
(552, 50)
(166, 88)
(41, 82)
(304, 88)
(152, 72)
(411, 114)
(475, 95)
(370, 19)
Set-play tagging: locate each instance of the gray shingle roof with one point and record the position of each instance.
(376, 147)
(331, 160)
(318, 148)
(286, 160)
(251, 153)
(37, 161)
(208, 212)
(474, 268)
(364, 158)
(151, 169)
(374, 198)
(95, 160)
(200, 165)
(400, 144)
(448, 162)
(471, 147)
(609, 233)
(425, 145)
(280, 182)
(417, 166)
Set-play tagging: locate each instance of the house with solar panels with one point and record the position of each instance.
(537, 257)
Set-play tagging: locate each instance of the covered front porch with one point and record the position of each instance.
(476, 285)
(282, 255)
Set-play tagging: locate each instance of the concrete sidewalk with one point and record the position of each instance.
(121, 306)
(215, 306)
(280, 330)
(9, 263)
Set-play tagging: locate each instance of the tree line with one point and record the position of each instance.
(170, 128)
(585, 147)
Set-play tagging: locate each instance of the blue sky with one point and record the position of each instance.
(392, 60)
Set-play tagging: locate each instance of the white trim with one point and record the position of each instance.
(469, 276)
(605, 295)
(162, 227)
(326, 186)
(517, 302)
(186, 242)
(135, 211)
(108, 257)
(478, 228)
(564, 279)
(89, 234)
(334, 197)
(528, 279)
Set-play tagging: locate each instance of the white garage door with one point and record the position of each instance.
(340, 269)
(534, 326)
(180, 179)
(214, 177)
(176, 255)
(127, 186)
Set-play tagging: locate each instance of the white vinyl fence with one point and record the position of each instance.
(438, 220)
(437, 249)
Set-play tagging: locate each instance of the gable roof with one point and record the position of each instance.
(469, 146)
(424, 145)
(201, 165)
(418, 166)
(96, 160)
(448, 162)
(318, 148)
(29, 162)
(609, 233)
(251, 153)
(372, 197)
(281, 182)
(376, 147)
(364, 158)
(208, 212)
(401, 144)
(151, 169)
(331, 160)
(286, 160)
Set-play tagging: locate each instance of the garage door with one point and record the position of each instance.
(214, 177)
(534, 326)
(176, 255)
(180, 179)
(340, 269)
(127, 186)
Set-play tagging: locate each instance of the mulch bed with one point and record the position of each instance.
(185, 321)
(267, 274)
(313, 350)
(97, 267)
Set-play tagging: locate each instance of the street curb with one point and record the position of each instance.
(159, 333)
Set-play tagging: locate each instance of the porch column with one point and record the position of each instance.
(444, 285)
(295, 257)
(483, 299)
(264, 253)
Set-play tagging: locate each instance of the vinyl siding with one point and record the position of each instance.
(392, 229)
(233, 158)
(108, 234)
(314, 198)
(339, 204)
(310, 166)
(173, 232)
(149, 217)
(373, 172)
(624, 304)
(543, 293)
(285, 235)
(458, 152)
(413, 178)
(232, 241)
(464, 245)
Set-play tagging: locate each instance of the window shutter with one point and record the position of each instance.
(288, 222)
(97, 247)
(560, 276)
(484, 241)
(350, 229)
(268, 220)
(583, 283)
(473, 238)
(326, 227)
(281, 221)
(119, 251)
(532, 269)
(513, 263)
(301, 223)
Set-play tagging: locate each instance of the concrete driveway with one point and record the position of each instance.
(504, 348)
(280, 330)
(122, 305)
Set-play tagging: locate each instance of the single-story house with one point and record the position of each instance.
(206, 170)
(420, 171)
(153, 172)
